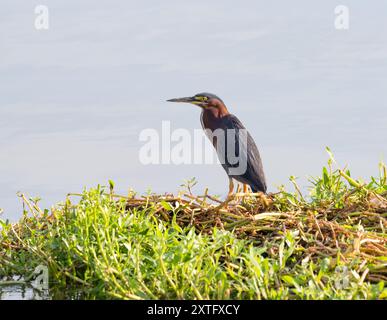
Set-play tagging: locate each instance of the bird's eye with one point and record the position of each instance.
(201, 98)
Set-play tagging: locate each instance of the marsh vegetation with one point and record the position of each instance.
(328, 244)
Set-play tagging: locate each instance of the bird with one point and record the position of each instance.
(215, 117)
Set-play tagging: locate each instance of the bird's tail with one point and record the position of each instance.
(259, 188)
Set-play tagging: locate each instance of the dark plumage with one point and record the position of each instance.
(215, 116)
(254, 175)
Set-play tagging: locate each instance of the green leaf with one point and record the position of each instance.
(290, 280)
(166, 205)
(111, 186)
(325, 176)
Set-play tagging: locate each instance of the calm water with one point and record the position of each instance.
(29, 291)
(22, 292)
(74, 98)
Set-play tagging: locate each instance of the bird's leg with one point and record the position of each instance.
(266, 202)
(244, 191)
(229, 196)
(237, 193)
(230, 188)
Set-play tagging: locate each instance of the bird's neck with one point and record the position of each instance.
(217, 112)
(211, 117)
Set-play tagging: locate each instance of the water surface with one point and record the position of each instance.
(73, 99)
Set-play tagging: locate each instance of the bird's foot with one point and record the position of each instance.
(242, 193)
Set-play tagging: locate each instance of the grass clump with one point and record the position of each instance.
(329, 245)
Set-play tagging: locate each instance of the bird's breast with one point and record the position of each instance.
(210, 121)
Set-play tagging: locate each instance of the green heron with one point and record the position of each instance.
(214, 118)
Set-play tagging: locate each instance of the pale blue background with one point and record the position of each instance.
(74, 99)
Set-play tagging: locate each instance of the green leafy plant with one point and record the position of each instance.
(330, 244)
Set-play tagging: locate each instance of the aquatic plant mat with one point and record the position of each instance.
(330, 244)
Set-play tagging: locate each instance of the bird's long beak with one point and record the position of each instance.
(185, 99)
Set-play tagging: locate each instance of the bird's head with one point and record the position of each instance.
(203, 100)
